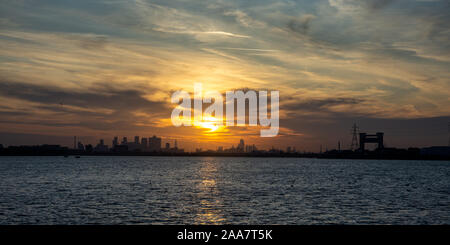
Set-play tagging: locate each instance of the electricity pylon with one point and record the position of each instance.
(355, 131)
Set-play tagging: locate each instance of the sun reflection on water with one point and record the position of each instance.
(210, 211)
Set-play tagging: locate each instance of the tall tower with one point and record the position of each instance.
(74, 142)
(355, 131)
(241, 146)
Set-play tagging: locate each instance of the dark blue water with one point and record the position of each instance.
(214, 190)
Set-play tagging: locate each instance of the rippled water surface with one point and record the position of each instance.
(214, 190)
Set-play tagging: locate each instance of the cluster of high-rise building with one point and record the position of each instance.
(243, 148)
(240, 148)
(154, 144)
(151, 144)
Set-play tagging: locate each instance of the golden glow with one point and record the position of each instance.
(212, 123)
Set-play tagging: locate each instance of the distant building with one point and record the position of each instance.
(136, 140)
(115, 141)
(80, 146)
(133, 146)
(120, 148)
(167, 147)
(101, 147)
(154, 144)
(371, 138)
(144, 144)
(241, 146)
(89, 148)
(124, 141)
(250, 148)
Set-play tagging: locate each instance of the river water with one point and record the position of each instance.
(222, 190)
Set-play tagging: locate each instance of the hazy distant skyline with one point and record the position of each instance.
(108, 68)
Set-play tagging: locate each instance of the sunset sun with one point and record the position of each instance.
(212, 124)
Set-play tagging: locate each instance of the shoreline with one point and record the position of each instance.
(250, 155)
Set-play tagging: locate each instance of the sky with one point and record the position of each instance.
(98, 69)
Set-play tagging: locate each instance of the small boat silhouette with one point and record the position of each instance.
(77, 156)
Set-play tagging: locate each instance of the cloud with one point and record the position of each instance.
(302, 24)
(353, 6)
(245, 20)
(321, 104)
(222, 33)
(101, 107)
(378, 4)
(93, 42)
